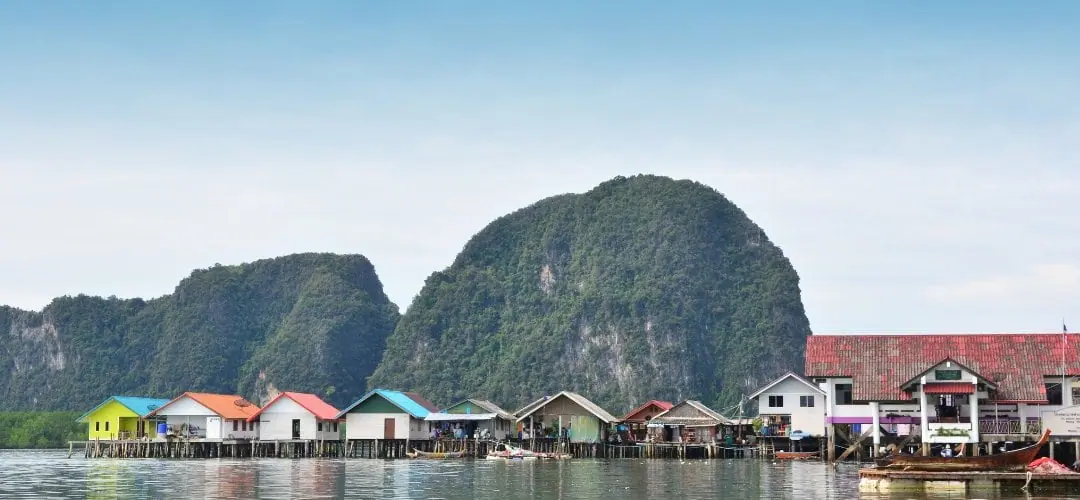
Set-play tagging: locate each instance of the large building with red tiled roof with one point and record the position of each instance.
(947, 388)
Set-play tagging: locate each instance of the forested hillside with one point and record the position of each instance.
(644, 287)
(305, 322)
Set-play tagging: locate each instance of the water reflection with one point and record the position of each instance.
(51, 474)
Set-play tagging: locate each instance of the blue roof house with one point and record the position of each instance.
(122, 417)
(386, 414)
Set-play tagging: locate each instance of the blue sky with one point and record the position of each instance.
(917, 162)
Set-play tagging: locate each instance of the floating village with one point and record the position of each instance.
(967, 412)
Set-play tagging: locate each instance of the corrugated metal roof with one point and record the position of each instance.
(139, 405)
(791, 375)
(487, 405)
(707, 415)
(663, 405)
(880, 364)
(310, 402)
(581, 401)
(397, 398)
(228, 406)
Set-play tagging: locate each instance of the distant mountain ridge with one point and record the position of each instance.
(308, 322)
(641, 288)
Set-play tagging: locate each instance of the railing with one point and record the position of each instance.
(1010, 426)
(949, 420)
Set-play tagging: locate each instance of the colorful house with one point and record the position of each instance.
(123, 417)
(638, 418)
(474, 417)
(566, 414)
(386, 414)
(197, 415)
(296, 416)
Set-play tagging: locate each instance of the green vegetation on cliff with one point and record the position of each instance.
(644, 287)
(307, 322)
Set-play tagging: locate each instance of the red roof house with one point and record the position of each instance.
(1011, 367)
(297, 416)
(647, 411)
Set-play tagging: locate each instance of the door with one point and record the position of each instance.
(296, 428)
(213, 427)
(388, 428)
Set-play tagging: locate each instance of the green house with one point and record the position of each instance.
(473, 418)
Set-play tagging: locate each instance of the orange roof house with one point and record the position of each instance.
(199, 415)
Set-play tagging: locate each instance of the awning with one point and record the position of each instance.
(456, 417)
(949, 388)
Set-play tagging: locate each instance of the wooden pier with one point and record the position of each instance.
(162, 448)
(873, 480)
(395, 448)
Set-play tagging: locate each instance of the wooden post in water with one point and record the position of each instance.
(832, 442)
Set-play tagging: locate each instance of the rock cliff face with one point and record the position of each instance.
(644, 287)
(306, 322)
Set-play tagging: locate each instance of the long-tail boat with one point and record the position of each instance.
(428, 454)
(795, 455)
(506, 452)
(1015, 460)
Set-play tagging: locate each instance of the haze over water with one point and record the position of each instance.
(49, 474)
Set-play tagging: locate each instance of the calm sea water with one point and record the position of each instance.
(50, 474)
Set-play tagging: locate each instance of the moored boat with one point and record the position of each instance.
(1015, 460)
(436, 455)
(795, 455)
(507, 452)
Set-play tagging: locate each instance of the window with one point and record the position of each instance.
(335, 426)
(806, 401)
(1053, 394)
(843, 394)
(243, 425)
(97, 426)
(947, 374)
(106, 426)
(776, 401)
(320, 426)
(235, 425)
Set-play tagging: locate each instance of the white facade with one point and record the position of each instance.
(975, 416)
(284, 416)
(188, 418)
(373, 426)
(793, 398)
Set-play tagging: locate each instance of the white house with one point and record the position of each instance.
(945, 389)
(297, 416)
(791, 403)
(196, 415)
(386, 414)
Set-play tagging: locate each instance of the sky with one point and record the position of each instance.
(918, 162)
